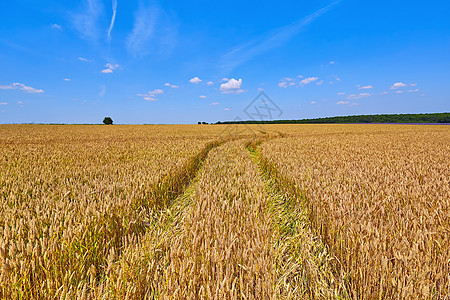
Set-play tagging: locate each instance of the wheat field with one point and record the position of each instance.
(224, 212)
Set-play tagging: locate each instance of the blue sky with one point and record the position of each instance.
(188, 61)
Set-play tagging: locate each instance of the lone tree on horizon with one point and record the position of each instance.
(107, 121)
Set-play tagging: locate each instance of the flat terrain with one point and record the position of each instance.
(224, 211)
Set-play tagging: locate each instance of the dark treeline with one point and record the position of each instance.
(401, 118)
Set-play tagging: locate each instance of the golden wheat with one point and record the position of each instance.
(72, 197)
(379, 196)
(200, 212)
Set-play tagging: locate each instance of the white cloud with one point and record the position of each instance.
(313, 102)
(308, 80)
(66, 79)
(283, 84)
(215, 103)
(57, 27)
(83, 59)
(397, 85)
(110, 68)
(358, 96)
(399, 92)
(210, 83)
(3, 103)
(19, 102)
(233, 86)
(171, 85)
(341, 93)
(332, 62)
(195, 80)
(365, 87)
(288, 81)
(150, 96)
(226, 109)
(203, 96)
(342, 102)
(413, 84)
(22, 87)
(413, 91)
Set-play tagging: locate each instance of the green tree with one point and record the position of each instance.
(107, 121)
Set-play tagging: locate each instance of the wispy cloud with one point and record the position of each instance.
(3, 103)
(143, 30)
(109, 68)
(171, 85)
(215, 103)
(203, 96)
(307, 81)
(288, 81)
(84, 59)
(151, 96)
(66, 79)
(272, 39)
(113, 19)
(86, 22)
(342, 102)
(365, 87)
(210, 83)
(358, 96)
(232, 86)
(22, 87)
(102, 92)
(57, 27)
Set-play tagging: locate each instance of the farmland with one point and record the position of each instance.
(224, 211)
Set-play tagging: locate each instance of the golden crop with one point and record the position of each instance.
(187, 212)
(379, 197)
(72, 197)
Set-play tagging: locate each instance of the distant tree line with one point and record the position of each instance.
(399, 118)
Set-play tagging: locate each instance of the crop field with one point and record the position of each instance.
(224, 212)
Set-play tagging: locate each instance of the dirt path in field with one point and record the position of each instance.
(302, 262)
(231, 235)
